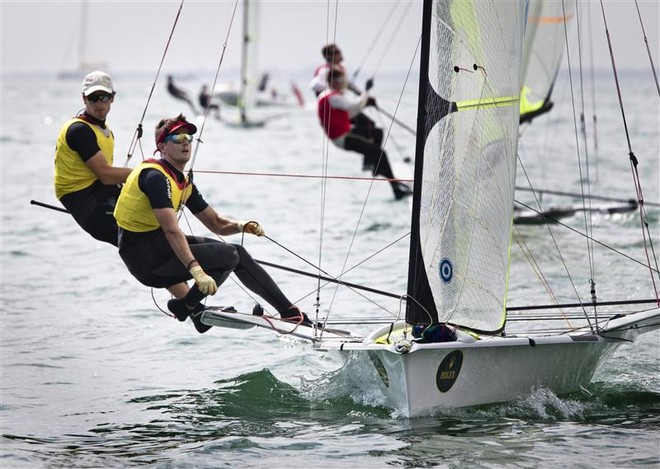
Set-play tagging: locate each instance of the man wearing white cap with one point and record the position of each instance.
(86, 183)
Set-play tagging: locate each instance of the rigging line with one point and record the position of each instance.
(302, 176)
(572, 194)
(387, 136)
(324, 162)
(582, 128)
(554, 240)
(580, 305)
(588, 217)
(335, 279)
(215, 81)
(527, 252)
(587, 221)
(359, 264)
(318, 268)
(138, 131)
(396, 121)
(558, 222)
(393, 117)
(616, 76)
(353, 289)
(648, 50)
(632, 158)
(366, 199)
(593, 79)
(388, 45)
(373, 43)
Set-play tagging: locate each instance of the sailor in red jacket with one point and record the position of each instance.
(335, 113)
(361, 123)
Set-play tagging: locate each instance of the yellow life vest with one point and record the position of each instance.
(71, 173)
(133, 211)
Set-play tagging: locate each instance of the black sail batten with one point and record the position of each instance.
(420, 307)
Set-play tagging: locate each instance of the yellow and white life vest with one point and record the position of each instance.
(71, 173)
(133, 211)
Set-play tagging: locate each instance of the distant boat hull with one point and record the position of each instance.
(231, 98)
(554, 214)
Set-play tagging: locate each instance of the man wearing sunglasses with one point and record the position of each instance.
(159, 254)
(86, 183)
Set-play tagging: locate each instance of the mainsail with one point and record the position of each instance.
(465, 165)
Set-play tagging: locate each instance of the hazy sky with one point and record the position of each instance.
(130, 36)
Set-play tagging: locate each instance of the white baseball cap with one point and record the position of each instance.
(97, 81)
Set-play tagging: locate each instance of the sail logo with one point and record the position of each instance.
(446, 270)
(448, 371)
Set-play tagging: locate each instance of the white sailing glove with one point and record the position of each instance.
(204, 282)
(251, 227)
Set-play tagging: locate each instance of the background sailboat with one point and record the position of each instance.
(549, 27)
(254, 90)
(84, 66)
(454, 348)
(543, 51)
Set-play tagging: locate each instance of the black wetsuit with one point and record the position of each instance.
(150, 258)
(205, 101)
(179, 93)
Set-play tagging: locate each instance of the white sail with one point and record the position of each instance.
(544, 45)
(469, 160)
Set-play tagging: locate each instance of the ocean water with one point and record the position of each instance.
(94, 375)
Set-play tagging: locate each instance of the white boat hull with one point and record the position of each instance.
(417, 379)
(487, 374)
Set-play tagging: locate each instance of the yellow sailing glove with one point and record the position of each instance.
(204, 282)
(251, 227)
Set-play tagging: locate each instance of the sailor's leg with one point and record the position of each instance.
(257, 280)
(379, 161)
(218, 260)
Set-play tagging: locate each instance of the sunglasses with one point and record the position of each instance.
(178, 138)
(104, 98)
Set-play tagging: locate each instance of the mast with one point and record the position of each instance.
(82, 38)
(419, 291)
(242, 99)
